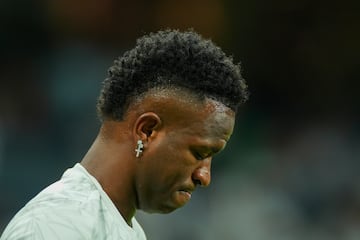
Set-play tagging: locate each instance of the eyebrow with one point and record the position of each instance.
(215, 150)
(211, 148)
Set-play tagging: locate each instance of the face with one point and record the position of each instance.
(178, 158)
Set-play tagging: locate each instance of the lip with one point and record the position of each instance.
(186, 194)
(188, 189)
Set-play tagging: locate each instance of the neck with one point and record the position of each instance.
(108, 162)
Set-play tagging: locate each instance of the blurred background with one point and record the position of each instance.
(291, 170)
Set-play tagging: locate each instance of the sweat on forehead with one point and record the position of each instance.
(173, 100)
(160, 98)
(165, 92)
(172, 103)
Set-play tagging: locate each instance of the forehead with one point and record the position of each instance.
(183, 110)
(214, 120)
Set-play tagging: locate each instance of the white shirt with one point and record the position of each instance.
(75, 207)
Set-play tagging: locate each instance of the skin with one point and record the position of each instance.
(180, 136)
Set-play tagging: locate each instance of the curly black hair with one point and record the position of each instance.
(171, 58)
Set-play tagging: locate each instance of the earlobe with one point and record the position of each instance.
(147, 125)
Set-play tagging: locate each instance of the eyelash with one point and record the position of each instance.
(199, 157)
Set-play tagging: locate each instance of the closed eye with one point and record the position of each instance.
(200, 156)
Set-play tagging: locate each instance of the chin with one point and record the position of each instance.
(163, 209)
(167, 210)
(162, 206)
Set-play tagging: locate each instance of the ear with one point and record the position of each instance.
(147, 125)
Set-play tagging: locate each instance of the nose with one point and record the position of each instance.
(201, 175)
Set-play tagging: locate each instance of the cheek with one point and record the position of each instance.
(169, 161)
(166, 169)
(157, 168)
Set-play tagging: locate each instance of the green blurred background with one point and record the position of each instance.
(291, 170)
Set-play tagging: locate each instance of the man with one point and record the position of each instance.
(167, 106)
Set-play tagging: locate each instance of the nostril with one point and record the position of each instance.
(201, 177)
(197, 182)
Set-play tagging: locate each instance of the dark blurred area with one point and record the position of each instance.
(291, 170)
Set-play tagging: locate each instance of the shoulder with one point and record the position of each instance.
(48, 221)
(67, 209)
(55, 225)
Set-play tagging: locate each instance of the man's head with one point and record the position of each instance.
(181, 135)
(178, 94)
(171, 59)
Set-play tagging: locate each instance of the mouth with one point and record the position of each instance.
(186, 192)
(184, 196)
